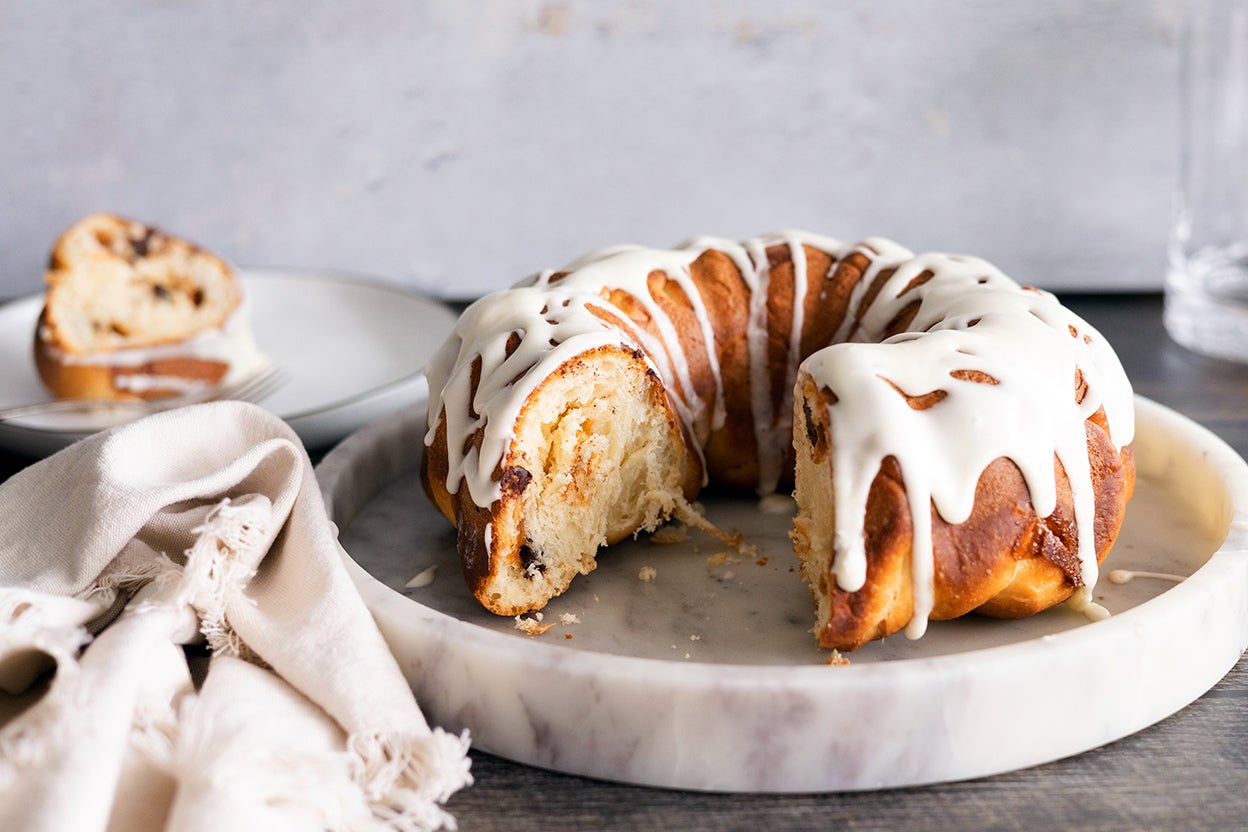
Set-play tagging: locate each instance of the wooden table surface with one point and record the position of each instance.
(1188, 772)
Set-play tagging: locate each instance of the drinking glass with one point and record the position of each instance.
(1206, 287)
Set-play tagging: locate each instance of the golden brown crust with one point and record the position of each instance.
(731, 451)
(1003, 561)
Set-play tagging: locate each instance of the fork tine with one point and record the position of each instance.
(252, 388)
(266, 386)
(255, 387)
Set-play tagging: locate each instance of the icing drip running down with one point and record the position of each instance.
(1126, 576)
(233, 345)
(984, 369)
(1005, 360)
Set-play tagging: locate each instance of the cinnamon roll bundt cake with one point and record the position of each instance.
(955, 442)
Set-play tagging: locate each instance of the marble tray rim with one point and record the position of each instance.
(1228, 562)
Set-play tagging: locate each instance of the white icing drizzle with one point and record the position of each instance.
(140, 383)
(628, 268)
(971, 318)
(777, 504)
(232, 344)
(423, 578)
(1125, 576)
(758, 280)
(1094, 611)
(552, 326)
(971, 321)
(772, 426)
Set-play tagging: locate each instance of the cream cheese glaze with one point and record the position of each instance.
(232, 344)
(1003, 360)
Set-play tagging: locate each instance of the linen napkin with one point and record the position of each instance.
(199, 526)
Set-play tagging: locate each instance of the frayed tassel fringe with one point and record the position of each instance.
(220, 562)
(406, 778)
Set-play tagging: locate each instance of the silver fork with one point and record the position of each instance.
(252, 388)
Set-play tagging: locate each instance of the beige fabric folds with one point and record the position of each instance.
(199, 526)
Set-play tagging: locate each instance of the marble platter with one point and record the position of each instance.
(706, 677)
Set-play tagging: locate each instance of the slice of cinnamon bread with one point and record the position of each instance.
(133, 311)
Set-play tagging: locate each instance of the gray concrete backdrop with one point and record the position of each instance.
(457, 146)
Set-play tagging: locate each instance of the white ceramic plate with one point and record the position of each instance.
(706, 677)
(354, 349)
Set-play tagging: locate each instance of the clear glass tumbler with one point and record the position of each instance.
(1206, 292)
